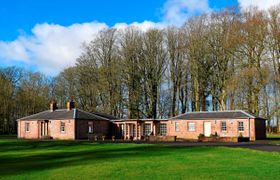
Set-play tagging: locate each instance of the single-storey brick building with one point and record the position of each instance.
(191, 125)
(73, 123)
(235, 123)
(67, 124)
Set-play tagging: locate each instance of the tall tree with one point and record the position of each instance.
(274, 54)
(220, 48)
(154, 65)
(197, 55)
(105, 50)
(252, 32)
(175, 47)
(132, 56)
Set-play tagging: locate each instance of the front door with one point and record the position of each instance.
(207, 129)
(44, 127)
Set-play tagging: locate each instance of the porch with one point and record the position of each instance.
(131, 129)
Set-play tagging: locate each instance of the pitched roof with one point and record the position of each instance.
(234, 114)
(105, 115)
(64, 114)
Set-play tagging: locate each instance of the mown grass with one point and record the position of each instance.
(85, 160)
(8, 136)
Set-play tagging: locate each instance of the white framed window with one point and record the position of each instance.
(62, 126)
(177, 126)
(90, 127)
(191, 126)
(27, 127)
(240, 126)
(162, 129)
(147, 129)
(224, 126)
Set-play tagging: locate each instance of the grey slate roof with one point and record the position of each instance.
(64, 114)
(105, 115)
(234, 114)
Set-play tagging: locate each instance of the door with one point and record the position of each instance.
(44, 127)
(207, 129)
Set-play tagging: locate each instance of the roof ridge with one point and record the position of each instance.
(213, 111)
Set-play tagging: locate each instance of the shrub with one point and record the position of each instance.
(214, 135)
(201, 136)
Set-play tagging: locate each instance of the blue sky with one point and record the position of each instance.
(19, 16)
(46, 35)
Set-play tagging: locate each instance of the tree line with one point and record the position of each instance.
(219, 61)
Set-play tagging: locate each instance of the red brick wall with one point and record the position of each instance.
(74, 129)
(33, 132)
(232, 128)
(100, 128)
(55, 132)
(53, 129)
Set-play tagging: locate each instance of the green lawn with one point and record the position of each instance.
(8, 136)
(83, 160)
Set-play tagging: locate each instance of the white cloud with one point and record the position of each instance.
(53, 47)
(177, 11)
(13, 50)
(261, 4)
(144, 26)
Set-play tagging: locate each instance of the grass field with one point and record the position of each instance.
(8, 136)
(84, 160)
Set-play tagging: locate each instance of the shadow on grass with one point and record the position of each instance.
(13, 145)
(8, 136)
(79, 153)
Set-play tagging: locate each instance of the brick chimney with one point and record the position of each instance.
(53, 106)
(70, 105)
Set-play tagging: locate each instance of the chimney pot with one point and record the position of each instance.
(53, 106)
(70, 105)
